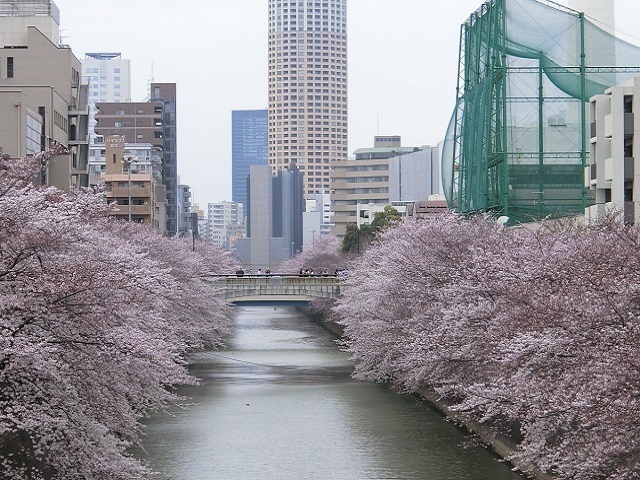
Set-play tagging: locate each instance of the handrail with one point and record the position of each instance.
(280, 275)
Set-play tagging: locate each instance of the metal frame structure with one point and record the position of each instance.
(509, 151)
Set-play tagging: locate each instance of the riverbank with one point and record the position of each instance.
(502, 446)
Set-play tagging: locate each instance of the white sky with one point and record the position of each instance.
(402, 56)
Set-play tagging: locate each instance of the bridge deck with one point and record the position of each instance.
(277, 287)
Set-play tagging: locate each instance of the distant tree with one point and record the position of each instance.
(382, 220)
(95, 317)
(356, 240)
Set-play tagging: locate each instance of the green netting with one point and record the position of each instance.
(517, 140)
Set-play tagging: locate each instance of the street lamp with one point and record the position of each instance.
(128, 161)
(313, 238)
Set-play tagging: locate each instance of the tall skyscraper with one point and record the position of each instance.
(308, 87)
(109, 77)
(249, 143)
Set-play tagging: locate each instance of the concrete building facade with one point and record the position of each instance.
(42, 97)
(414, 176)
(317, 218)
(308, 88)
(614, 168)
(185, 224)
(249, 146)
(274, 229)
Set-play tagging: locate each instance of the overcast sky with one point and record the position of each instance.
(402, 55)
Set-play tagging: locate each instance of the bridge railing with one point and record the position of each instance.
(235, 286)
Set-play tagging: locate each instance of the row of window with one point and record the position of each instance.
(96, 70)
(60, 120)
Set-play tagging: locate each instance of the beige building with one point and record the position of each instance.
(131, 187)
(151, 122)
(42, 99)
(361, 181)
(308, 88)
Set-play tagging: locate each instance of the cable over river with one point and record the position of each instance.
(279, 404)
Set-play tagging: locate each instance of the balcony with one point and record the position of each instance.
(135, 210)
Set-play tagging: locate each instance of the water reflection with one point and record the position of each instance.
(279, 403)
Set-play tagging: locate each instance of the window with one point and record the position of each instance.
(9, 67)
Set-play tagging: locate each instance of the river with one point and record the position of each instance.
(279, 404)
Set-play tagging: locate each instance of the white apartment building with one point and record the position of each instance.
(317, 217)
(308, 88)
(614, 167)
(109, 78)
(222, 221)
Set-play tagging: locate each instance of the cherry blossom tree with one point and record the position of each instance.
(534, 333)
(324, 254)
(95, 318)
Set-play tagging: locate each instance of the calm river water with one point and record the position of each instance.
(279, 404)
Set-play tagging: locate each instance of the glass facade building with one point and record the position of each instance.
(249, 142)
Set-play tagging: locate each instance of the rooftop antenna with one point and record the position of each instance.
(150, 81)
(377, 123)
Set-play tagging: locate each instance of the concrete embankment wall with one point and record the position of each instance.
(502, 446)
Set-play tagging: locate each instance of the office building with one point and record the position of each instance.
(275, 210)
(414, 176)
(379, 176)
(109, 78)
(151, 122)
(42, 97)
(308, 88)
(249, 142)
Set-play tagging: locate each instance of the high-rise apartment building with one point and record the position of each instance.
(109, 78)
(151, 122)
(308, 87)
(249, 142)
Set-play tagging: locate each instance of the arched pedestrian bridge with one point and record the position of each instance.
(276, 288)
